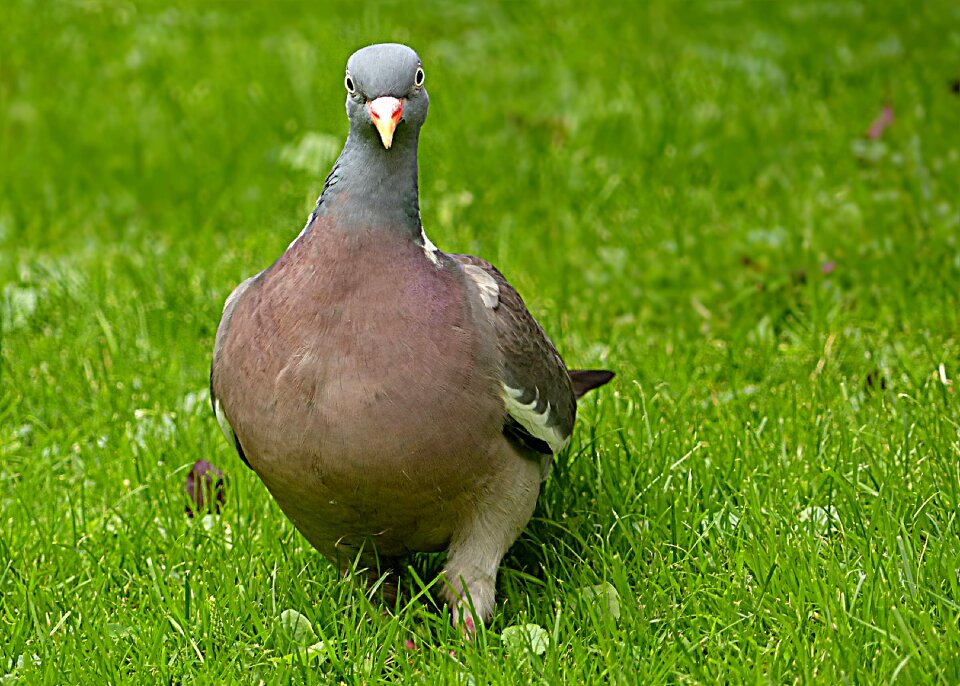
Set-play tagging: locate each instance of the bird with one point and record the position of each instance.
(391, 397)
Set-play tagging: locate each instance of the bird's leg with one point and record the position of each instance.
(497, 517)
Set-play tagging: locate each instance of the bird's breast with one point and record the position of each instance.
(369, 370)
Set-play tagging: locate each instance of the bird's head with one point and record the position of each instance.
(385, 91)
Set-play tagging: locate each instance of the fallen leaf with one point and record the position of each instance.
(526, 637)
(603, 597)
(297, 627)
(880, 124)
(312, 651)
(204, 487)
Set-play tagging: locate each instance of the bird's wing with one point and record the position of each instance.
(228, 307)
(536, 387)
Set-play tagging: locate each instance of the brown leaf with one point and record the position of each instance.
(880, 124)
(204, 488)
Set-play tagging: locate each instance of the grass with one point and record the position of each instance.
(682, 191)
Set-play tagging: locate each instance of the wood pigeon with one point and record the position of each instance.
(393, 398)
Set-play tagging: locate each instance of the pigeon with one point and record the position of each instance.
(392, 398)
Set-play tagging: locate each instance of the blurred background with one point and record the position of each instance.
(748, 209)
(627, 160)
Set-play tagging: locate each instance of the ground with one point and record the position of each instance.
(749, 210)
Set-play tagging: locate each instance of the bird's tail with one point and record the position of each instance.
(585, 380)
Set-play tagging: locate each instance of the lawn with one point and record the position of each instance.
(684, 192)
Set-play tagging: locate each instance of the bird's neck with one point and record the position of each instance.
(371, 187)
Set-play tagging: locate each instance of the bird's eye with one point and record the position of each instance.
(348, 83)
(418, 79)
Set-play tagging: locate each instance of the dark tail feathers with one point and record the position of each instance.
(585, 380)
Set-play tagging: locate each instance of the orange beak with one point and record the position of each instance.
(385, 113)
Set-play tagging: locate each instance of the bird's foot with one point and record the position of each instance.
(471, 599)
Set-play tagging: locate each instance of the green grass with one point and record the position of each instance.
(683, 193)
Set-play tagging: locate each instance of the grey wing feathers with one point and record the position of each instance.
(537, 389)
(585, 380)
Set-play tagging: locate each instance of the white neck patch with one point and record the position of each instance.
(429, 248)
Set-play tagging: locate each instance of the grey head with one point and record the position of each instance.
(385, 94)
